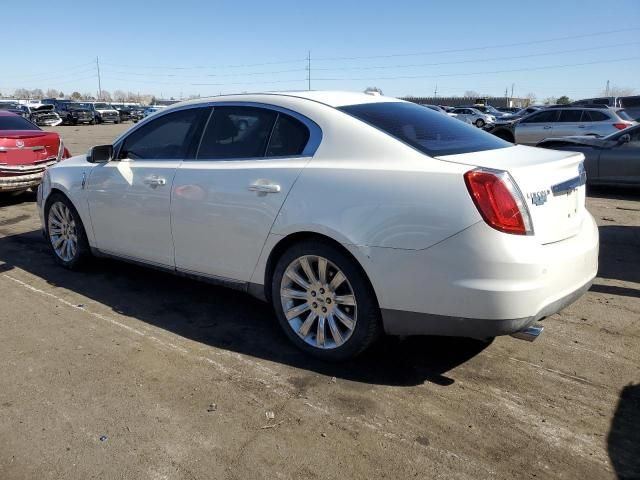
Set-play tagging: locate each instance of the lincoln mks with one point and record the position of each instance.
(353, 215)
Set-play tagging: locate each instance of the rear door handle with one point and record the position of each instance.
(265, 188)
(582, 126)
(547, 127)
(155, 181)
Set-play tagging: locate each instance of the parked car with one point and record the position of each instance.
(44, 115)
(123, 110)
(630, 104)
(435, 108)
(509, 110)
(25, 152)
(16, 108)
(151, 109)
(106, 113)
(612, 160)
(137, 114)
(352, 214)
(474, 116)
(74, 113)
(488, 110)
(565, 121)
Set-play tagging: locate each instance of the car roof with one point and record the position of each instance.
(327, 97)
(6, 113)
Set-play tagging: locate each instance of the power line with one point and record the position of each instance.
(546, 67)
(486, 47)
(225, 75)
(196, 67)
(481, 60)
(47, 73)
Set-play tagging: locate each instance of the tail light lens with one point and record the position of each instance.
(499, 201)
(621, 126)
(63, 152)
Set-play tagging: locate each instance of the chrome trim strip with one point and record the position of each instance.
(569, 185)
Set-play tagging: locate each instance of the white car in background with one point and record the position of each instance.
(474, 116)
(352, 214)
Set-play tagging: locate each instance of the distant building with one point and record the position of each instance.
(457, 101)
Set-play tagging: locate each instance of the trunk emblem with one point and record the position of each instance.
(19, 144)
(538, 198)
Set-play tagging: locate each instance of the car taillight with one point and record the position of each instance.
(621, 126)
(499, 201)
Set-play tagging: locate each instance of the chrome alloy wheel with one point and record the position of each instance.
(62, 231)
(318, 302)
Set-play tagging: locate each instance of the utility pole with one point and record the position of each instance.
(99, 83)
(607, 89)
(309, 68)
(435, 92)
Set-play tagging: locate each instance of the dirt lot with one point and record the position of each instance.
(125, 373)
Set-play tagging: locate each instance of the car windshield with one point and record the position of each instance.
(424, 129)
(11, 122)
(7, 106)
(102, 106)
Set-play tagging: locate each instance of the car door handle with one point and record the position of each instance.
(265, 188)
(155, 181)
(582, 126)
(547, 127)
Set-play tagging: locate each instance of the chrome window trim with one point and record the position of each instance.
(315, 132)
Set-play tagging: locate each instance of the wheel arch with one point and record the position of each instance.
(291, 239)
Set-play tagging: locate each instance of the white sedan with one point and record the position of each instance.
(352, 214)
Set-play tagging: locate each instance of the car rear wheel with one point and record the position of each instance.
(324, 302)
(479, 123)
(65, 233)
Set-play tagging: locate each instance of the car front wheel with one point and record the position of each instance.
(65, 232)
(324, 302)
(479, 123)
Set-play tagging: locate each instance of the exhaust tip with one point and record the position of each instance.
(529, 334)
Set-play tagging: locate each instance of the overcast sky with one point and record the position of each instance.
(180, 48)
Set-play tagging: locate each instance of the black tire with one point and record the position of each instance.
(368, 324)
(92, 122)
(83, 251)
(479, 123)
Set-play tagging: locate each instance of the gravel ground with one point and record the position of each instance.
(125, 373)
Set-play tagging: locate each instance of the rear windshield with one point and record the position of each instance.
(624, 115)
(16, 123)
(428, 131)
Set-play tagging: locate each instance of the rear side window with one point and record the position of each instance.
(289, 137)
(237, 132)
(542, 117)
(165, 138)
(10, 122)
(594, 116)
(624, 115)
(572, 116)
(428, 131)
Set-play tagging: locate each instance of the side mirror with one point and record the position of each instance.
(626, 138)
(100, 154)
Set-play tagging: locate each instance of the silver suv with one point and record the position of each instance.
(567, 121)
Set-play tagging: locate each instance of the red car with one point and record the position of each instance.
(25, 152)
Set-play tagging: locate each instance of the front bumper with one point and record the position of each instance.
(20, 182)
(481, 282)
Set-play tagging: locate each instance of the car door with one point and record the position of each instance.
(227, 198)
(129, 197)
(569, 123)
(621, 162)
(536, 127)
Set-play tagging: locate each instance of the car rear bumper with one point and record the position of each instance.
(20, 182)
(481, 282)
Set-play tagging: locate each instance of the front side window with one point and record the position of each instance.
(289, 137)
(546, 116)
(167, 137)
(237, 132)
(572, 116)
(424, 129)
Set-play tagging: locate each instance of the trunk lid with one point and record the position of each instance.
(26, 147)
(550, 182)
